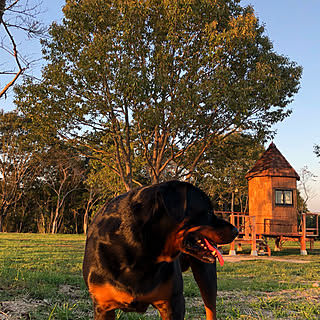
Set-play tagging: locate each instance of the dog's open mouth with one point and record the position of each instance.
(202, 248)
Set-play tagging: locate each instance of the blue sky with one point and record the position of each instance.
(294, 29)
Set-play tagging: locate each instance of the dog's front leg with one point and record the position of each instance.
(101, 314)
(172, 308)
(205, 275)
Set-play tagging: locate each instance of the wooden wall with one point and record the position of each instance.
(262, 205)
(260, 201)
(287, 213)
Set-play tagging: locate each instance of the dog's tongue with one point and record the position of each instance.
(215, 251)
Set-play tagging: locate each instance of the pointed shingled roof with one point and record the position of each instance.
(272, 163)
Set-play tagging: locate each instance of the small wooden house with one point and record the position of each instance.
(272, 186)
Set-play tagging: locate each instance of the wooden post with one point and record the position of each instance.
(247, 227)
(303, 246)
(232, 251)
(254, 237)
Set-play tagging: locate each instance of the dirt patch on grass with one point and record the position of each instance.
(73, 292)
(22, 308)
(17, 309)
(283, 305)
(306, 293)
(239, 258)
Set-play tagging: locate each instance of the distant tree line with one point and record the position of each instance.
(50, 188)
(139, 92)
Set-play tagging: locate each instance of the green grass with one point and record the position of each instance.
(40, 279)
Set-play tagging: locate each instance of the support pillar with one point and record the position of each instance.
(303, 245)
(232, 251)
(254, 237)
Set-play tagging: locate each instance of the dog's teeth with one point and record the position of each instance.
(205, 248)
(202, 244)
(199, 241)
(213, 253)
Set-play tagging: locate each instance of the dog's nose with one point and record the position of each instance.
(235, 232)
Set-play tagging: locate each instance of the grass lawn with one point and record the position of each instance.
(40, 278)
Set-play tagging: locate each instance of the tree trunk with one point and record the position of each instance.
(3, 214)
(85, 222)
(2, 7)
(232, 201)
(55, 221)
(75, 213)
(86, 214)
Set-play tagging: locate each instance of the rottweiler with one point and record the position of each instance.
(139, 243)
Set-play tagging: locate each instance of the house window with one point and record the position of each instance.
(284, 197)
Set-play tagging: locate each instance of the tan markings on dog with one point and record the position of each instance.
(108, 297)
(172, 246)
(207, 232)
(211, 234)
(210, 313)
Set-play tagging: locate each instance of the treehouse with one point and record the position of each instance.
(273, 213)
(272, 184)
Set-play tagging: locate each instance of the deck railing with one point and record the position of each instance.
(272, 227)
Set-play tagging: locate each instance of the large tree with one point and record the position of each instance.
(163, 81)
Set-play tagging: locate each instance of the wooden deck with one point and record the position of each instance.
(279, 229)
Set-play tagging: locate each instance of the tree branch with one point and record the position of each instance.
(16, 56)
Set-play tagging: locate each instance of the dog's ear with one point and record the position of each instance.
(172, 197)
(144, 203)
(169, 197)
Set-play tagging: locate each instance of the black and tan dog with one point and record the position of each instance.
(140, 242)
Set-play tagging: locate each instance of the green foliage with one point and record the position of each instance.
(164, 80)
(223, 173)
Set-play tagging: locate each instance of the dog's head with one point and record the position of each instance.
(200, 239)
(188, 220)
